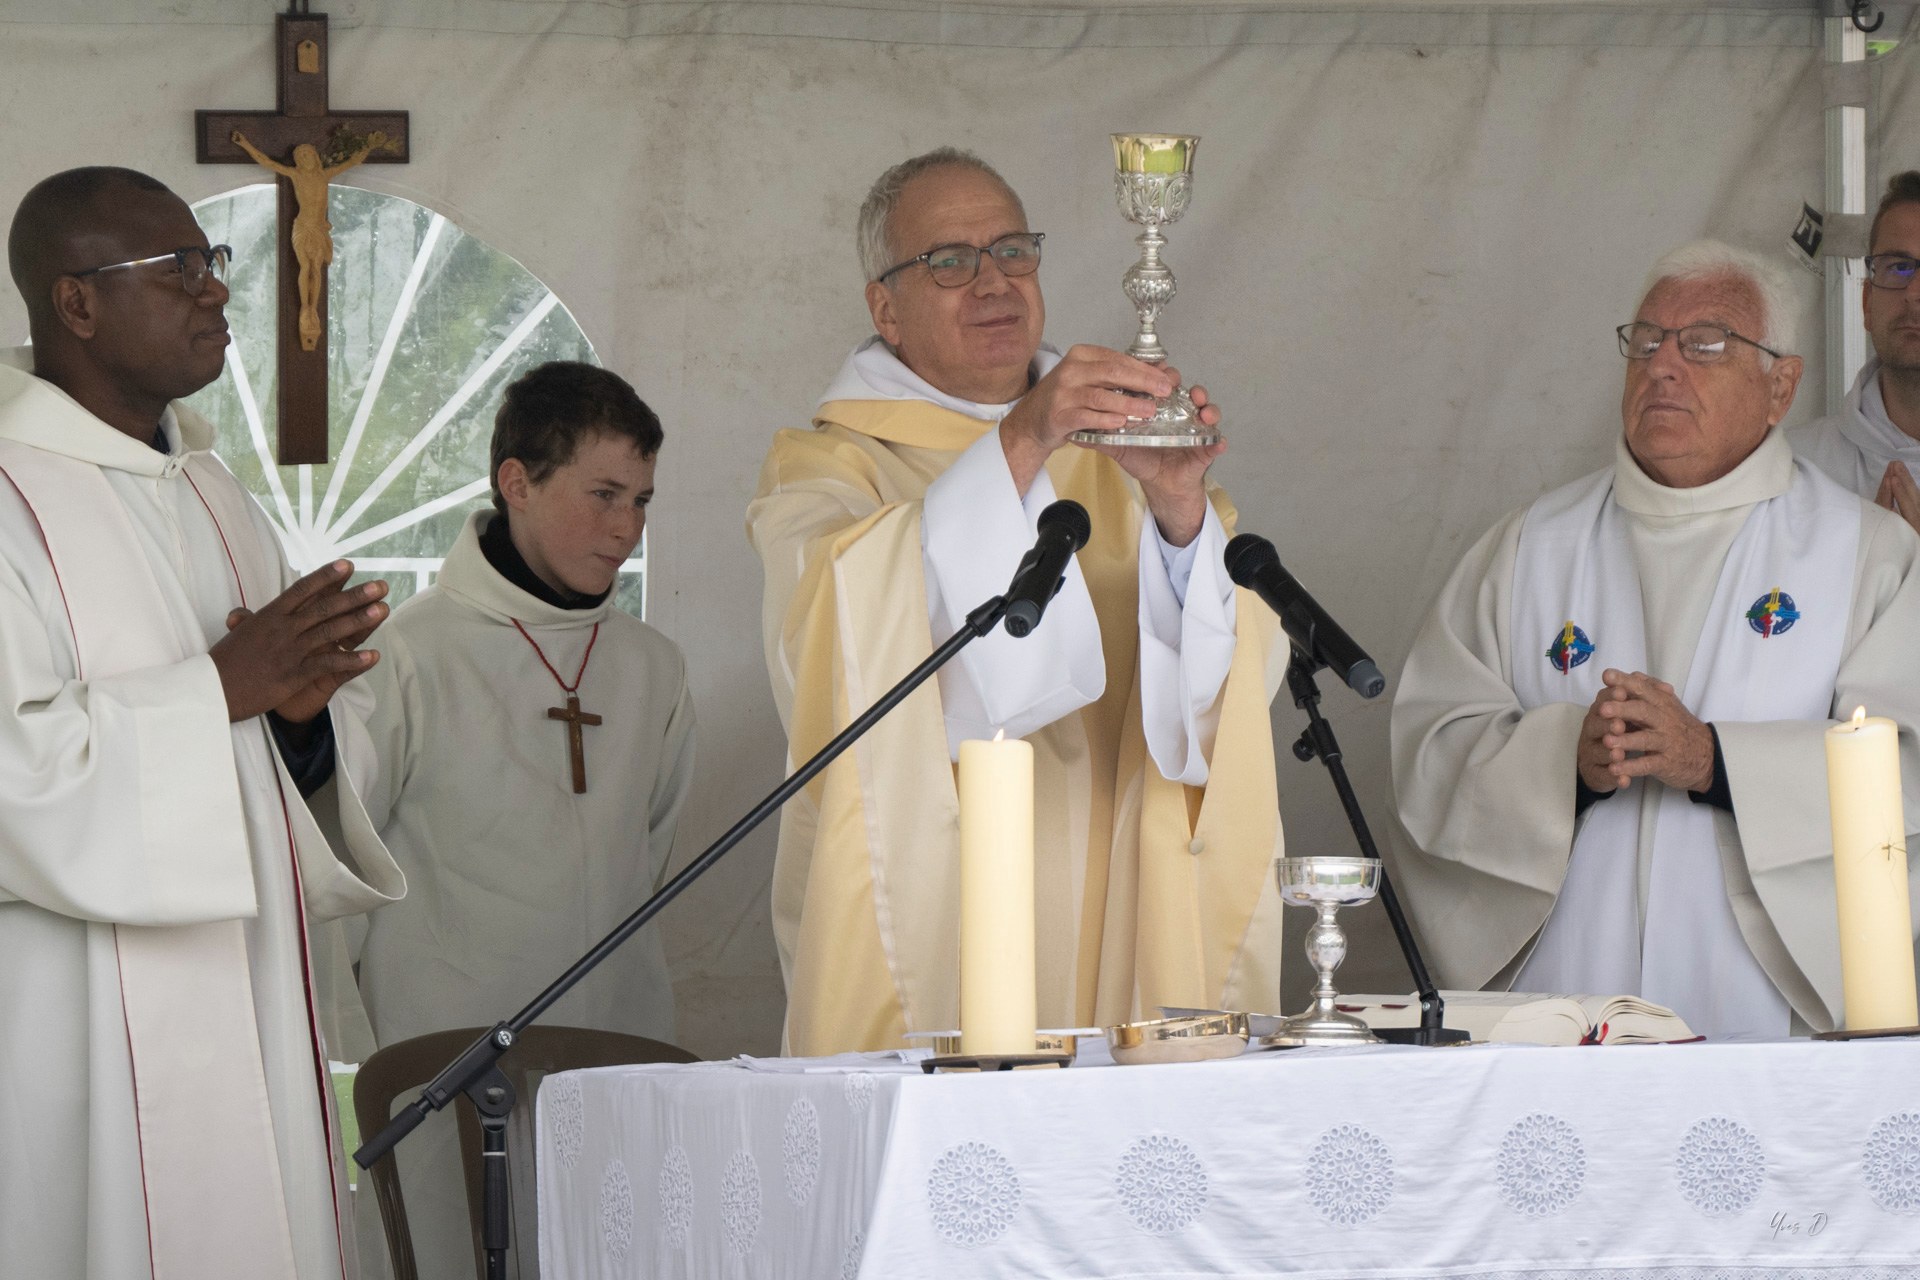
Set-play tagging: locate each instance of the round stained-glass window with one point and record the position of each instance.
(426, 326)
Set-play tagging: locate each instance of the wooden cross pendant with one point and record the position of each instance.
(576, 745)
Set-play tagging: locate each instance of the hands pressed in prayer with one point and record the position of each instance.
(295, 652)
(1637, 727)
(1089, 391)
(1899, 494)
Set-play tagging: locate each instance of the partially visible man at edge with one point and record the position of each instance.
(170, 708)
(1872, 446)
(1144, 691)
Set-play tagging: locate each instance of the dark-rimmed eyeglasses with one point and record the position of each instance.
(954, 265)
(195, 265)
(1891, 270)
(1699, 343)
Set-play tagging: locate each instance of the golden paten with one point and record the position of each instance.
(1191, 1039)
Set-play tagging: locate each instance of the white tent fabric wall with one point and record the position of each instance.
(1894, 144)
(1414, 227)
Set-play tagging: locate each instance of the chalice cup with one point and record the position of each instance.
(1325, 884)
(1153, 182)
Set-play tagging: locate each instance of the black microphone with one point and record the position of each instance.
(1064, 529)
(1254, 564)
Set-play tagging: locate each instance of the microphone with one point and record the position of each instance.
(1064, 529)
(1254, 564)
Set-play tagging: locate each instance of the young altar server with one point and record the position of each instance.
(537, 745)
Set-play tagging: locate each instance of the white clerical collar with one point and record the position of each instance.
(1867, 423)
(35, 412)
(874, 372)
(468, 575)
(1764, 473)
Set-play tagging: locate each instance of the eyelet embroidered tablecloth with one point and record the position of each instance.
(1785, 1161)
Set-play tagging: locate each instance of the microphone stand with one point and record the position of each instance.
(476, 1072)
(1317, 740)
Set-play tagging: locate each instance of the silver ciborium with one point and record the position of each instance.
(1325, 884)
(1153, 181)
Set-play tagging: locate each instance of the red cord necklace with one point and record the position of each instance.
(571, 713)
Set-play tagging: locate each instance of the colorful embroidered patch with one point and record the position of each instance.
(1570, 649)
(1773, 614)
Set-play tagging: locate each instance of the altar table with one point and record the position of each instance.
(1780, 1161)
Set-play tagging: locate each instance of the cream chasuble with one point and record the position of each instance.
(1148, 891)
(512, 875)
(167, 1099)
(1486, 782)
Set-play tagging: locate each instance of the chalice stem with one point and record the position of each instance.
(1326, 948)
(1149, 285)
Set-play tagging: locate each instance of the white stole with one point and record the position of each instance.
(215, 1200)
(1575, 585)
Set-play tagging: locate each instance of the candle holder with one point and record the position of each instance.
(994, 1061)
(1153, 183)
(1325, 884)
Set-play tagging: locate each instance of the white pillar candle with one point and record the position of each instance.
(1870, 873)
(998, 1009)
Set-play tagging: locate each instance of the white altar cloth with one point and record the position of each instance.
(1662, 1162)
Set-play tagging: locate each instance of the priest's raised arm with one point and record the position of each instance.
(1608, 739)
(909, 502)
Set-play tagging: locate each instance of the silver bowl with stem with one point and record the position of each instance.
(1326, 884)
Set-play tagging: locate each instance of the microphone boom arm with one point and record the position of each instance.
(476, 1071)
(1317, 741)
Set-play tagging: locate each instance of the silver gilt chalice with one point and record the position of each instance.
(1153, 182)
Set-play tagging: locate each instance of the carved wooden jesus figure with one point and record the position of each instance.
(312, 233)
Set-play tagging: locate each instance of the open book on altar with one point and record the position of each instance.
(1521, 1017)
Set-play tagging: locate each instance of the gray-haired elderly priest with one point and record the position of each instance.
(1607, 742)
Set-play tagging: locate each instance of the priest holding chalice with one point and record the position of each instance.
(1142, 695)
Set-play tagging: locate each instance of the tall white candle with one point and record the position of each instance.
(998, 1010)
(1870, 873)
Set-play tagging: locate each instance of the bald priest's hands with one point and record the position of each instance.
(1899, 494)
(1089, 391)
(1637, 727)
(299, 648)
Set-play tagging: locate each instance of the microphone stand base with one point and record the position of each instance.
(1422, 1035)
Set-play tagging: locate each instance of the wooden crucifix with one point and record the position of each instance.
(306, 145)
(576, 744)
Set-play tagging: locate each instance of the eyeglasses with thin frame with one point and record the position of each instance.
(195, 265)
(955, 265)
(1891, 270)
(1699, 343)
